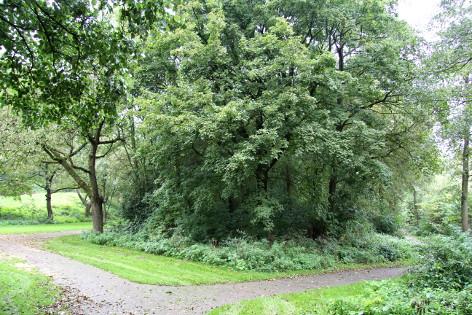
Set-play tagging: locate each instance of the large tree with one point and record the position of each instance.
(451, 63)
(266, 116)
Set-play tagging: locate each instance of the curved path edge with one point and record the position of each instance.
(101, 292)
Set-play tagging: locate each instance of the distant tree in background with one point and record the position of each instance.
(451, 62)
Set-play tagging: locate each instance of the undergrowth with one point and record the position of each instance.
(261, 255)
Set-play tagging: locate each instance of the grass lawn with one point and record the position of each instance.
(24, 292)
(313, 302)
(147, 268)
(39, 228)
(31, 208)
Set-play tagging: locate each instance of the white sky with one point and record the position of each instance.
(418, 13)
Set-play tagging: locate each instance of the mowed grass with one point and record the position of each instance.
(141, 267)
(67, 208)
(43, 228)
(313, 302)
(22, 291)
(147, 268)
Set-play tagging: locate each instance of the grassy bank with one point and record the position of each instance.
(147, 268)
(32, 208)
(316, 302)
(439, 284)
(43, 228)
(24, 292)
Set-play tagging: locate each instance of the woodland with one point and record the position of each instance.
(269, 137)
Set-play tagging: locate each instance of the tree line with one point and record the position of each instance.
(214, 118)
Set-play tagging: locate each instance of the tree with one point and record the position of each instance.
(272, 116)
(452, 63)
(25, 165)
(14, 148)
(67, 64)
(85, 203)
(50, 178)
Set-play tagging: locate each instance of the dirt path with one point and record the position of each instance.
(100, 292)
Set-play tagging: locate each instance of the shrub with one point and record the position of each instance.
(441, 284)
(397, 299)
(447, 263)
(246, 254)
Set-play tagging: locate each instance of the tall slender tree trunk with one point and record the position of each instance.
(85, 202)
(49, 203)
(416, 210)
(289, 183)
(48, 187)
(465, 183)
(333, 180)
(96, 200)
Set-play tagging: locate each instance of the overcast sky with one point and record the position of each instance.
(418, 13)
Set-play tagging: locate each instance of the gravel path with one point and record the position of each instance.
(99, 292)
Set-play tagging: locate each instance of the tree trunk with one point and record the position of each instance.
(49, 204)
(262, 177)
(465, 183)
(86, 204)
(416, 210)
(88, 208)
(96, 200)
(97, 214)
(289, 185)
(333, 181)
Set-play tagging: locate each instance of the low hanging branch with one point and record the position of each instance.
(66, 162)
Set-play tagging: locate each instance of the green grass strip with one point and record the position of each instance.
(42, 228)
(147, 268)
(313, 302)
(22, 291)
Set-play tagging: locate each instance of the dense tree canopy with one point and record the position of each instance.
(272, 116)
(244, 139)
(212, 118)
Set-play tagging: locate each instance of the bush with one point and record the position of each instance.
(442, 284)
(396, 299)
(259, 255)
(447, 263)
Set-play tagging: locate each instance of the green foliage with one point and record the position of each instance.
(440, 284)
(68, 60)
(257, 118)
(24, 292)
(438, 206)
(246, 254)
(395, 298)
(152, 269)
(447, 263)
